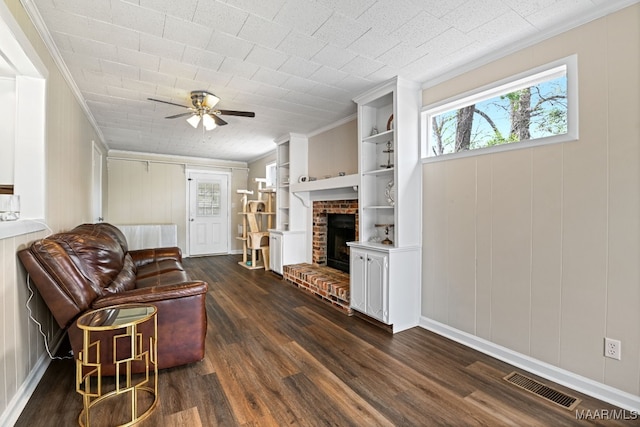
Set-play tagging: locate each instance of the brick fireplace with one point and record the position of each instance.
(330, 285)
(321, 210)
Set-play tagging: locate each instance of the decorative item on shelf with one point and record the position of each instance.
(390, 193)
(312, 178)
(386, 227)
(303, 178)
(390, 122)
(374, 131)
(388, 151)
(341, 173)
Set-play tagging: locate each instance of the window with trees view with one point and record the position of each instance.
(537, 108)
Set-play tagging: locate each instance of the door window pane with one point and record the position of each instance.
(208, 199)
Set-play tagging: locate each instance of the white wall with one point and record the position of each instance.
(537, 250)
(68, 203)
(334, 150)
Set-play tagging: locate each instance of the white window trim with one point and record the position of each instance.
(506, 85)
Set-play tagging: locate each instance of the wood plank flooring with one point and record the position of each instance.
(276, 355)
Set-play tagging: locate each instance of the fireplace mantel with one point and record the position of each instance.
(333, 183)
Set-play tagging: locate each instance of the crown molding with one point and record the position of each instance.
(43, 31)
(562, 27)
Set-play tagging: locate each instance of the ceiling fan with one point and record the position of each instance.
(204, 109)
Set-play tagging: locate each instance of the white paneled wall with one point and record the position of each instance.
(537, 250)
(147, 193)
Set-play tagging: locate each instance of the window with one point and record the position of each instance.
(532, 108)
(208, 199)
(270, 174)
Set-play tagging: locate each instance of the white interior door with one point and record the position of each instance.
(96, 185)
(208, 213)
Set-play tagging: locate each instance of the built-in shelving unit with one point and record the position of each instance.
(385, 261)
(283, 174)
(287, 239)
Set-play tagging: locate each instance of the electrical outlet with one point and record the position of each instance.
(612, 348)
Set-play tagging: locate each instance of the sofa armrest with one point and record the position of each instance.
(146, 256)
(153, 294)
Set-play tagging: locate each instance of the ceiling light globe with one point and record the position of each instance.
(194, 120)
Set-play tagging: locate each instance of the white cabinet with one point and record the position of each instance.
(285, 248)
(369, 283)
(275, 252)
(383, 284)
(385, 261)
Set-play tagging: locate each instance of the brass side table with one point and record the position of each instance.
(125, 320)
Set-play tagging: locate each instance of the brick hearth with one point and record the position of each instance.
(327, 283)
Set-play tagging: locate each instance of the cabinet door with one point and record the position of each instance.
(357, 279)
(376, 274)
(275, 253)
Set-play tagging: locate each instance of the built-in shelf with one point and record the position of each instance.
(327, 183)
(378, 171)
(379, 138)
(256, 213)
(378, 207)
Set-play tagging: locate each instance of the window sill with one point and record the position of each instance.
(10, 229)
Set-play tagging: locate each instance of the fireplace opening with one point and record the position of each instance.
(341, 228)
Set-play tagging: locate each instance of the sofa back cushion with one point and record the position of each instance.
(106, 228)
(73, 268)
(96, 255)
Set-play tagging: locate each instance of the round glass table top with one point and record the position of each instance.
(118, 316)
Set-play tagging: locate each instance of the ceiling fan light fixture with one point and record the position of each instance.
(208, 122)
(210, 100)
(194, 120)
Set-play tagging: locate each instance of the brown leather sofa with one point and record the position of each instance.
(91, 267)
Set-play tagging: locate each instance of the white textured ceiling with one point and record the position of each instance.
(296, 63)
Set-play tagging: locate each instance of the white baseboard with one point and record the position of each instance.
(566, 378)
(17, 404)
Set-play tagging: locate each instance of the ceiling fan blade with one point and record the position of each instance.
(175, 116)
(167, 102)
(217, 119)
(237, 113)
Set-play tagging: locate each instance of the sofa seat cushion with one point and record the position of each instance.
(158, 267)
(168, 278)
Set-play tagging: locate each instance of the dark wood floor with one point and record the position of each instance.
(276, 355)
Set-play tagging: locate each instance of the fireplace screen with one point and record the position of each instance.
(341, 228)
